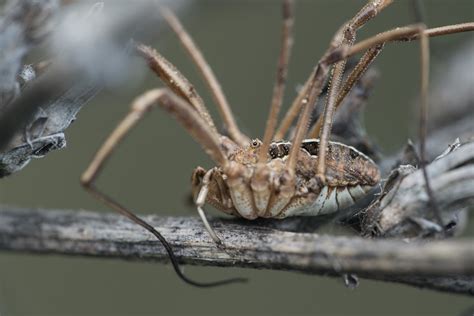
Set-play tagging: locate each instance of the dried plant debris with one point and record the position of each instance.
(402, 209)
(76, 71)
(23, 25)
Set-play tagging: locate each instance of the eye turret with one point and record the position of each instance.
(255, 143)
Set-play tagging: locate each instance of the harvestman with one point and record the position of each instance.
(270, 178)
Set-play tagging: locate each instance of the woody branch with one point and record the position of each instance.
(440, 265)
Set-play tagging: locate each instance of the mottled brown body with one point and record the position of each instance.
(350, 175)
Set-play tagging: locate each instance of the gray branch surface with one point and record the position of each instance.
(442, 265)
(402, 209)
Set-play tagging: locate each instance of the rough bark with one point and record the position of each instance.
(402, 209)
(441, 265)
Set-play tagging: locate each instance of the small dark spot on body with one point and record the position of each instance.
(353, 154)
(312, 147)
(330, 150)
(279, 150)
(192, 91)
(273, 151)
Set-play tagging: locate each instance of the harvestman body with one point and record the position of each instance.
(268, 178)
(237, 190)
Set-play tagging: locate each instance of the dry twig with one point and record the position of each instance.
(246, 245)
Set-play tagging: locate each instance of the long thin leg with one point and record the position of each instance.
(351, 80)
(343, 38)
(424, 83)
(208, 75)
(372, 53)
(261, 180)
(177, 82)
(279, 88)
(403, 34)
(328, 116)
(201, 200)
(400, 34)
(329, 109)
(407, 33)
(192, 122)
(344, 51)
(369, 11)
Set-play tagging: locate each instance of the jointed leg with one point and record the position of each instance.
(176, 106)
(407, 33)
(424, 82)
(347, 33)
(343, 39)
(261, 187)
(400, 34)
(328, 116)
(208, 75)
(192, 122)
(175, 81)
(344, 51)
(279, 88)
(351, 80)
(201, 200)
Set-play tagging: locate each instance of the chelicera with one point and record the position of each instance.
(270, 178)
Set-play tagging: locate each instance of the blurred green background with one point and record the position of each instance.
(151, 171)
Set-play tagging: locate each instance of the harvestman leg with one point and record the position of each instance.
(261, 179)
(182, 87)
(343, 38)
(177, 82)
(345, 35)
(201, 200)
(279, 87)
(424, 83)
(361, 67)
(208, 76)
(343, 52)
(195, 125)
(375, 44)
(406, 33)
